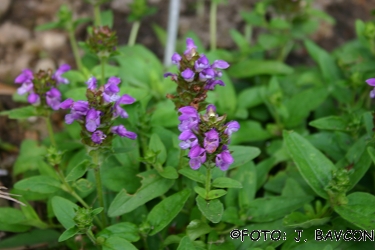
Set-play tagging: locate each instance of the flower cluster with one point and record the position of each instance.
(103, 42)
(195, 77)
(207, 136)
(97, 114)
(42, 87)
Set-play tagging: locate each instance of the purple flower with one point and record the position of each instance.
(173, 76)
(53, 97)
(190, 48)
(121, 131)
(176, 58)
(189, 118)
(188, 139)
(188, 75)
(224, 159)
(81, 107)
(201, 64)
(197, 157)
(33, 98)
(25, 77)
(92, 83)
(220, 64)
(371, 82)
(73, 116)
(111, 89)
(92, 120)
(118, 111)
(25, 87)
(211, 141)
(98, 137)
(210, 84)
(206, 74)
(61, 70)
(67, 104)
(231, 127)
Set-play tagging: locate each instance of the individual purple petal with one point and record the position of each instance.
(67, 104)
(111, 89)
(73, 116)
(25, 76)
(224, 160)
(92, 83)
(98, 137)
(176, 58)
(92, 120)
(61, 70)
(25, 87)
(53, 97)
(211, 141)
(197, 157)
(371, 82)
(126, 99)
(188, 75)
(211, 109)
(206, 74)
(81, 107)
(231, 127)
(33, 98)
(173, 76)
(190, 47)
(372, 93)
(220, 64)
(210, 84)
(121, 131)
(118, 111)
(201, 64)
(189, 118)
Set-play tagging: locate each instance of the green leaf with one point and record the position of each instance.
(315, 168)
(32, 218)
(78, 171)
(40, 184)
(166, 210)
(197, 228)
(20, 113)
(77, 93)
(213, 210)
(186, 244)
(117, 178)
(69, 233)
(193, 175)
(157, 146)
(272, 208)
(330, 123)
(164, 115)
(214, 194)
(34, 237)
(360, 210)
(226, 96)
(118, 243)
(29, 159)
(243, 154)
(225, 182)
(49, 26)
(10, 215)
(250, 97)
(64, 210)
(200, 191)
(153, 185)
(239, 40)
(109, 71)
(250, 131)
(106, 18)
(160, 33)
(249, 68)
(300, 220)
(75, 76)
(126, 230)
(169, 173)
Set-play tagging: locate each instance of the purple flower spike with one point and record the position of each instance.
(212, 83)
(224, 160)
(220, 64)
(98, 137)
(61, 70)
(121, 131)
(25, 87)
(197, 157)
(176, 58)
(67, 104)
(92, 83)
(190, 48)
(201, 64)
(211, 141)
(92, 120)
(33, 98)
(188, 139)
(25, 77)
(188, 75)
(232, 126)
(206, 74)
(53, 97)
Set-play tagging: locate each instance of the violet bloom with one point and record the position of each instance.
(33, 98)
(98, 137)
(197, 157)
(61, 70)
(206, 74)
(92, 120)
(201, 64)
(188, 139)
(25, 87)
(81, 107)
(190, 48)
(25, 77)
(176, 58)
(173, 76)
(371, 82)
(91, 83)
(211, 141)
(188, 75)
(231, 127)
(220, 64)
(111, 89)
(121, 131)
(53, 97)
(189, 118)
(67, 104)
(210, 84)
(73, 116)
(118, 111)
(224, 160)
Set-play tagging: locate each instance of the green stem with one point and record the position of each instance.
(213, 11)
(134, 33)
(98, 21)
(208, 179)
(143, 140)
(103, 61)
(248, 33)
(99, 187)
(181, 159)
(91, 236)
(74, 45)
(50, 131)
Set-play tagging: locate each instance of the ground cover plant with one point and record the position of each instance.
(225, 149)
